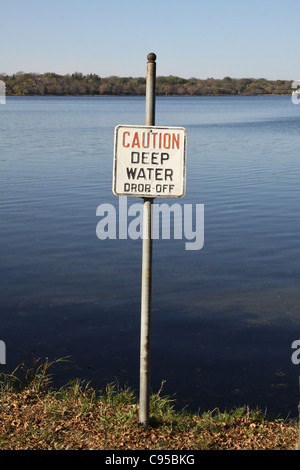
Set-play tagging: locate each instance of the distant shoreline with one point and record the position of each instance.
(77, 84)
(141, 96)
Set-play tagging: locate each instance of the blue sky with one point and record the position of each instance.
(191, 38)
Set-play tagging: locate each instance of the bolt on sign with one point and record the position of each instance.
(149, 161)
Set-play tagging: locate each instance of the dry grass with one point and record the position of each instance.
(34, 417)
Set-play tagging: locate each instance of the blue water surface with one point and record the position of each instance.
(223, 317)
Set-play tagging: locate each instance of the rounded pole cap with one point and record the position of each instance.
(151, 57)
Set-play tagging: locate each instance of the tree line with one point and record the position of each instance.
(77, 84)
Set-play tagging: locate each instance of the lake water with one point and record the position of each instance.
(223, 317)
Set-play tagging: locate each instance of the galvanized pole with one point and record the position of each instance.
(150, 89)
(147, 262)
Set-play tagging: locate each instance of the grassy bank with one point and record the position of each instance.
(33, 416)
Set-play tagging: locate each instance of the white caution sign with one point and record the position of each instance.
(149, 161)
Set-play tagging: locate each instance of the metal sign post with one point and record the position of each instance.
(147, 262)
(149, 162)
